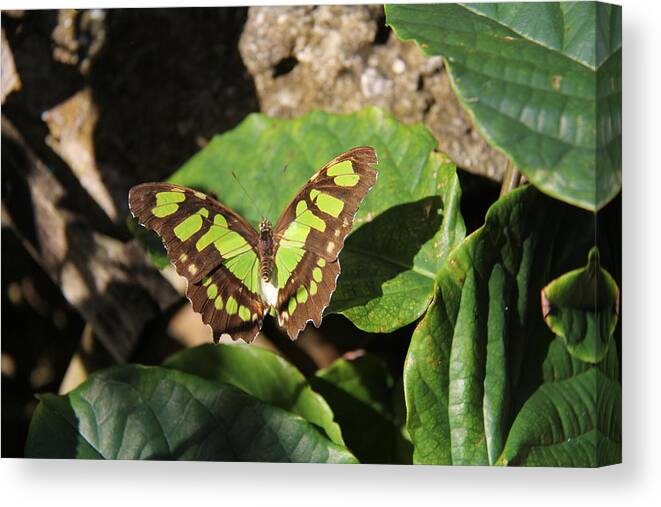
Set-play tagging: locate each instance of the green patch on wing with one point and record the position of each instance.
(167, 203)
(246, 268)
(217, 231)
(327, 203)
(190, 225)
(286, 259)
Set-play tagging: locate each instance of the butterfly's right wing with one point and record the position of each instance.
(310, 234)
(213, 248)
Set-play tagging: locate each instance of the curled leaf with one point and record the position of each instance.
(582, 306)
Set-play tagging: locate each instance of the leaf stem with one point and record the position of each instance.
(511, 178)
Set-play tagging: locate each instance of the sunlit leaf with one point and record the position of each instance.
(542, 82)
(137, 412)
(477, 354)
(262, 374)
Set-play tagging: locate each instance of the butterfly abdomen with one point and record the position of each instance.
(266, 267)
(266, 250)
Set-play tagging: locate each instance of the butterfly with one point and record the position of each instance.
(235, 274)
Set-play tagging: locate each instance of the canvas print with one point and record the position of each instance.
(315, 234)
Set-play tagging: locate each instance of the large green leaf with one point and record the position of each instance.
(389, 264)
(362, 394)
(559, 364)
(571, 423)
(542, 82)
(137, 412)
(262, 374)
(582, 307)
(478, 353)
(403, 230)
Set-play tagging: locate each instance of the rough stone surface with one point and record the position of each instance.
(10, 79)
(343, 58)
(71, 125)
(78, 36)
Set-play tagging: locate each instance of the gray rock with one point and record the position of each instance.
(341, 59)
(10, 79)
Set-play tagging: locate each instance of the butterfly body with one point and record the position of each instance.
(266, 250)
(235, 273)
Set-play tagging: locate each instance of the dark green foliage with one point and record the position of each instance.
(542, 82)
(363, 396)
(137, 412)
(483, 348)
(582, 307)
(512, 361)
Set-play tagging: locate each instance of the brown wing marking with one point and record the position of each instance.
(321, 247)
(307, 295)
(207, 265)
(142, 200)
(329, 242)
(247, 311)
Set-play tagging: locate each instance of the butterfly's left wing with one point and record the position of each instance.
(213, 248)
(310, 235)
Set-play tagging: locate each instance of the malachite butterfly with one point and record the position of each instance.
(236, 274)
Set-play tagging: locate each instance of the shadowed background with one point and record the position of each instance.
(95, 101)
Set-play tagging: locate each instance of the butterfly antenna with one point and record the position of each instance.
(284, 170)
(250, 199)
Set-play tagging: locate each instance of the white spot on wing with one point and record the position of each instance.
(269, 292)
(330, 246)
